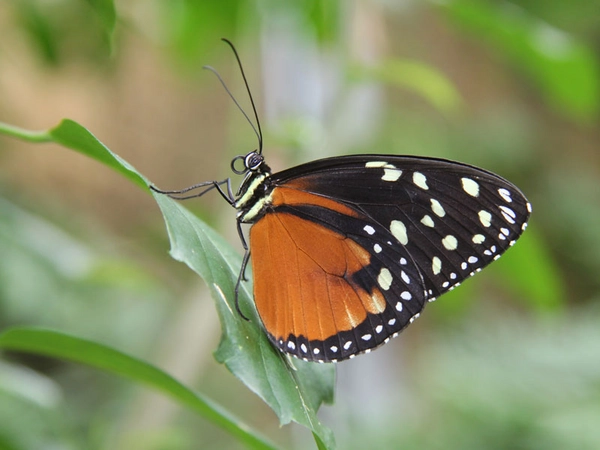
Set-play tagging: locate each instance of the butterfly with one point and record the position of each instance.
(347, 251)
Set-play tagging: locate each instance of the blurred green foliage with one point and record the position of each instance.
(62, 30)
(510, 360)
(563, 69)
(501, 384)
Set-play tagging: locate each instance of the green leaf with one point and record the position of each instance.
(72, 135)
(294, 389)
(59, 345)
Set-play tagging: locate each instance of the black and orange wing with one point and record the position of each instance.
(351, 248)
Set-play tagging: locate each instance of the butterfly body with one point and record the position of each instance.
(347, 251)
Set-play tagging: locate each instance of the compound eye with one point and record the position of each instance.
(253, 160)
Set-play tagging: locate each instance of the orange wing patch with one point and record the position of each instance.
(294, 196)
(302, 278)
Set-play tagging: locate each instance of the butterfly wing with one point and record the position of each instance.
(351, 248)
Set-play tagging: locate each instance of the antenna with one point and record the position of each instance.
(259, 134)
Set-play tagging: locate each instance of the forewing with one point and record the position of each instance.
(453, 219)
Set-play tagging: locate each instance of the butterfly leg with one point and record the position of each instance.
(207, 185)
(242, 274)
(241, 277)
(246, 251)
(228, 196)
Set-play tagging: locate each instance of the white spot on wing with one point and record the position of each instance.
(427, 221)
(478, 239)
(384, 279)
(371, 164)
(398, 308)
(398, 230)
(437, 208)
(406, 295)
(405, 277)
(347, 345)
(420, 180)
(508, 214)
(391, 174)
(369, 229)
(508, 211)
(436, 265)
(450, 242)
(471, 187)
(377, 248)
(505, 194)
(485, 218)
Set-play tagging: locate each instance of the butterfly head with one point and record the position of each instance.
(252, 162)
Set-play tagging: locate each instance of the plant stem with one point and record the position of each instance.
(27, 135)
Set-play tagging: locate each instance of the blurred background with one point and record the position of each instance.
(511, 360)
